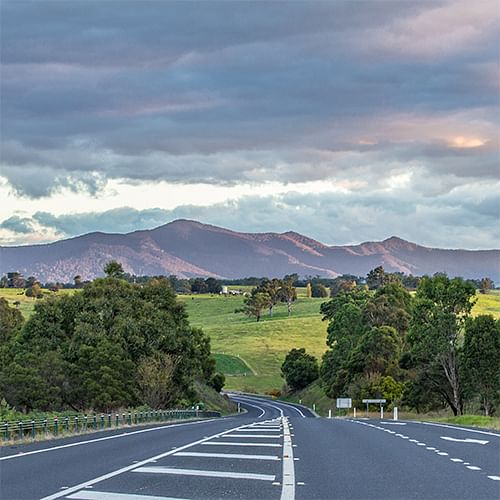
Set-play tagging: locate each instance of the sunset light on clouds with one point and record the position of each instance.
(346, 121)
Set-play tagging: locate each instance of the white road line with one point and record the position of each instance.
(458, 460)
(253, 436)
(106, 495)
(255, 406)
(442, 453)
(456, 428)
(205, 473)
(97, 440)
(228, 443)
(249, 429)
(473, 467)
(262, 403)
(466, 440)
(494, 478)
(288, 489)
(392, 423)
(225, 455)
(128, 468)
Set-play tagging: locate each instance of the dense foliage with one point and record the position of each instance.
(113, 344)
(299, 369)
(423, 352)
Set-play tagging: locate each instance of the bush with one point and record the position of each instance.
(299, 369)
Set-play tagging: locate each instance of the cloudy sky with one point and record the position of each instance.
(343, 120)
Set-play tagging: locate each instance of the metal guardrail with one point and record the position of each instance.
(78, 424)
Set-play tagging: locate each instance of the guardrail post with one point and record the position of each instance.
(77, 425)
(102, 421)
(66, 424)
(56, 426)
(45, 426)
(94, 418)
(6, 431)
(33, 430)
(85, 423)
(129, 418)
(135, 417)
(21, 430)
(109, 419)
(117, 420)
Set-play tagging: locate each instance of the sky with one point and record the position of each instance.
(347, 121)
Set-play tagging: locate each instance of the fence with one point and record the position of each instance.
(79, 424)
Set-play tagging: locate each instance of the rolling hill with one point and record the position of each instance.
(189, 248)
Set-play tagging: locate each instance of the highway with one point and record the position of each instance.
(275, 450)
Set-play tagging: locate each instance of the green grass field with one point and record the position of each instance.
(260, 345)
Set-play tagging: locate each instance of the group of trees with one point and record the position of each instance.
(423, 351)
(114, 344)
(267, 295)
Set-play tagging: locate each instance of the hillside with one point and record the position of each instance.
(189, 248)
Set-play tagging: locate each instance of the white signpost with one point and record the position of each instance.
(344, 403)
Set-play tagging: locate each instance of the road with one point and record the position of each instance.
(275, 451)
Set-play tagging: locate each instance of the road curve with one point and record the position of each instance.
(274, 450)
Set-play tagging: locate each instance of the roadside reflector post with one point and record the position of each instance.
(33, 430)
(381, 410)
(239, 407)
(314, 406)
(354, 412)
(395, 413)
(329, 413)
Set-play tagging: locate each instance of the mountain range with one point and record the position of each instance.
(189, 248)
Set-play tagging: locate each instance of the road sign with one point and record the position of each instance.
(344, 403)
(374, 401)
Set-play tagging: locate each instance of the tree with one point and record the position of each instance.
(90, 350)
(199, 285)
(288, 293)
(299, 369)
(319, 290)
(481, 355)
(213, 285)
(486, 284)
(375, 278)
(218, 381)
(114, 269)
(255, 303)
(272, 288)
(11, 319)
(442, 306)
(77, 281)
(34, 291)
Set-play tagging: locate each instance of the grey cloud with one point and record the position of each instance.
(16, 224)
(221, 93)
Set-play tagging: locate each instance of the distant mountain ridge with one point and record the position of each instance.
(189, 248)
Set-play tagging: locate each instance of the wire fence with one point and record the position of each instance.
(78, 424)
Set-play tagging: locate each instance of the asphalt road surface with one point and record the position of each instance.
(275, 451)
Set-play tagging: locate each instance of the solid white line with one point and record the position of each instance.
(225, 455)
(90, 441)
(249, 429)
(228, 443)
(253, 436)
(262, 403)
(254, 406)
(392, 423)
(288, 489)
(454, 427)
(106, 495)
(128, 468)
(205, 473)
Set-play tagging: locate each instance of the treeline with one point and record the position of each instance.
(113, 345)
(423, 352)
